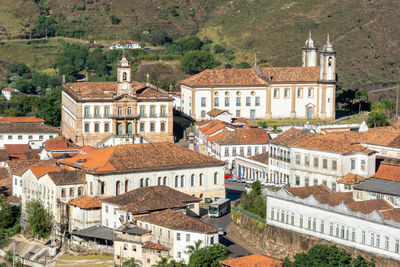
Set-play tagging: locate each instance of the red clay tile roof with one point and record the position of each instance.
(214, 129)
(374, 136)
(17, 148)
(67, 177)
(351, 178)
(154, 246)
(212, 138)
(388, 172)
(391, 214)
(368, 206)
(139, 157)
(322, 194)
(21, 119)
(4, 156)
(290, 137)
(173, 219)
(56, 144)
(152, 198)
(256, 260)
(340, 142)
(263, 158)
(88, 202)
(216, 111)
(248, 77)
(18, 167)
(26, 127)
(40, 171)
(244, 136)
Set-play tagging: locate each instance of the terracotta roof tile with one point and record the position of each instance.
(388, 172)
(256, 260)
(152, 198)
(368, 206)
(18, 167)
(214, 129)
(216, 111)
(247, 77)
(391, 214)
(40, 171)
(212, 138)
(290, 137)
(88, 202)
(374, 136)
(4, 156)
(154, 246)
(21, 119)
(150, 156)
(244, 136)
(26, 127)
(67, 177)
(351, 178)
(16, 148)
(173, 219)
(263, 158)
(322, 194)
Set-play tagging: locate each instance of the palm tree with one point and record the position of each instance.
(192, 249)
(132, 262)
(163, 262)
(362, 96)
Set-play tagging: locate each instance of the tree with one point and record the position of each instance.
(377, 119)
(193, 248)
(323, 255)
(256, 188)
(196, 61)
(25, 87)
(114, 20)
(208, 256)
(39, 219)
(132, 262)
(6, 216)
(46, 26)
(219, 49)
(361, 95)
(389, 106)
(244, 65)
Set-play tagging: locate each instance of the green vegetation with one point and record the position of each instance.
(208, 256)
(196, 61)
(69, 257)
(40, 220)
(323, 255)
(132, 262)
(9, 220)
(254, 201)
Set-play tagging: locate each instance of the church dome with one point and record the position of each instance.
(309, 43)
(328, 48)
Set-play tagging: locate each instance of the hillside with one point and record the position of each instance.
(365, 33)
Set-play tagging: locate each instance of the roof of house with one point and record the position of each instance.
(9, 89)
(151, 198)
(96, 231)
(263, 158)
(124, 42)
(374, 136)
(4, 156)
(26, 127)
(216, 111)
(16, 148)
(248, 77)
(256, 260)
(18, 167)
(379, 186)
(213, 129)
(214, 137)
(154, 246)
(244, 136)
(368, 206)
(21, 119)
(322, 194)
(351, 178)
(336, 142)
(88, 202)
(56, 144)
(290, 137)
(388, 172)
(67, 177)
(140, 157)
(173, 219)
(39, 171)
(391, 214)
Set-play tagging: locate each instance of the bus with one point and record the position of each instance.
(219, 207)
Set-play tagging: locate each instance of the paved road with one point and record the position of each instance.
(233, 192)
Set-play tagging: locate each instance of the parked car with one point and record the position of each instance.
(228, 175)
(221, 231)
(208, 200)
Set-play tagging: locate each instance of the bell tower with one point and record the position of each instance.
(309, 53)
(124, 76)
(328, 63)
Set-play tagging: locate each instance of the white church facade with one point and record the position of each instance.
(306, 92)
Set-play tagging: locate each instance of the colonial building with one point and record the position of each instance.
(306, 92)
(84, 212)
(110, 113)
(254, 168)
(370, 225)
(116, 170)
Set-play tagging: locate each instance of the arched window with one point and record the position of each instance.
(141, 182)
(201, 179)
(126, 186)
(182, 180)
(124, 76)
(176, 181)
(159, 181)
(192, 180)
(216, 178)
(117, 188)
(147, 181)
(165, 181)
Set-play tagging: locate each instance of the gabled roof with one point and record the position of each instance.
(26, 127)
(42, 170)
(290, 137)
(151, 198)
(374, 136)
(388, 172)
(66, 177)
(16, 148)
(249, 77)
(256, 260)
(244, 136)
(322, 194)
(262, 158)
(154, 246)
(351, 178)
(368, 206)
(18, 167)
(173, 219)
(88, 202)
(141, 157)
(391, 214)
(379, 186)
(216, 111)
(21, 119)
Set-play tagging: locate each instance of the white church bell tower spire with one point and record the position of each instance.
(309, 53)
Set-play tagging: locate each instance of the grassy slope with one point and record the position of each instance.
(365, 33)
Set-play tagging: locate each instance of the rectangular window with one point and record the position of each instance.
(325, 163)
(263, 149)
(256, 150)
(333, 186)
(363, 237)
(10, 137)
(378, 241)
(96, 112)
(249, 151)
(226, 101)
(152, 126)
(203, 102)
(322, 230)
(306, 181)
(387, 243)
(372, 239)
(106, 112)
(297, 180)
(86, 127)
(334, 165)
(307, 160)
(276, 93)
(19, 137)
(396, 246)
(314, 224)
(162, 126)
(142, 126)
(241, 151)
(203, 114)
(353, 164)
(162, 111)
(129, 111)
(87, 112)
(237, 113)
(178, 236)
(133, 247)
(152, 111)
(248, 101)
(298, 159)
(142, 110)
(286, 94)
(353, 234)
(315, 182)
(96, 127)
(363, 165)
(238, 101)
(216, 102)
(292, 219)
(119, 111)
(226, 151)
(299, 92)
(257, 101)
(310, 92)
(301, 221)
(331, 229)
(272, 214)
(316, 162)
(187, 237)
(309, 223)
(106, 127)
(233, 151)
